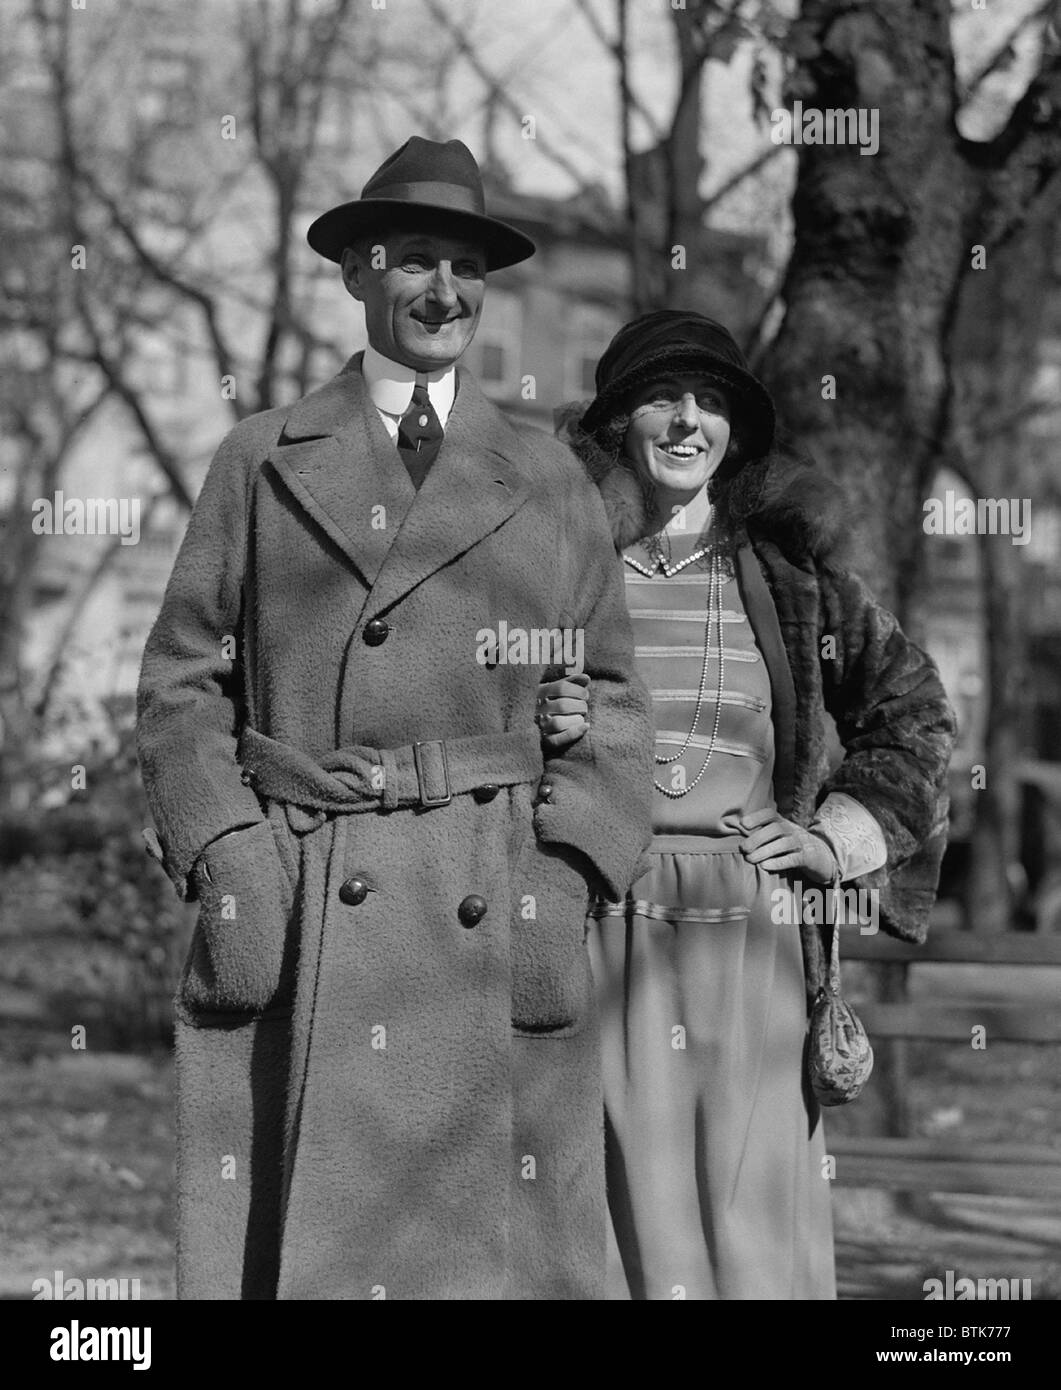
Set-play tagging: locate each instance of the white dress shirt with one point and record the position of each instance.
(390, 385)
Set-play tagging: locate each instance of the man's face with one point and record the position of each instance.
(423, 296)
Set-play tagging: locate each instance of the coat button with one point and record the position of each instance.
(545, 791)
(353, 892)
(376, 632)
(486, 792)
(471, 911)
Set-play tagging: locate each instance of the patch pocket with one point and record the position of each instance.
(552, 985)
(240, 961)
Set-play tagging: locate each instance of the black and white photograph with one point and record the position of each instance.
(530, 663)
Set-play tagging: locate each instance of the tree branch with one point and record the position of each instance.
(509, 103)
(164, 457)
(1002, 52)
(739, 175)
(1021, 162)
(54, 666)
(615, 48)
(162, 273)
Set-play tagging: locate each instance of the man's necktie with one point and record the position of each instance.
(419, 433)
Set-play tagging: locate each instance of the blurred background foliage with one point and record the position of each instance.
(91, 933)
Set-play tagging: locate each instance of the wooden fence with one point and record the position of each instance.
(951, 1165)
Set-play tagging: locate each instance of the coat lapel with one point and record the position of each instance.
(339, 463)
(475, 484)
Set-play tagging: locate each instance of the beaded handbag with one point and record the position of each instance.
(839, 1054)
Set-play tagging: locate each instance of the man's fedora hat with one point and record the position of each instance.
(440, 181)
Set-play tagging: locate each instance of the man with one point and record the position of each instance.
(388, 1073)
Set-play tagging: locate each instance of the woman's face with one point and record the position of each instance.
(679, 431)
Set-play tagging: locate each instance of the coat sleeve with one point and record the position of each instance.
(601, 798)
(190, 695)
(897, 729)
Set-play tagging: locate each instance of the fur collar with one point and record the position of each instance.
(779, 498)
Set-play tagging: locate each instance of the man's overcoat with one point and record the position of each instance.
(388, 1076)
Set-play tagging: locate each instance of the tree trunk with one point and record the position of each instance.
(881, 244)
(684, 162)
(993, 379)
(884, 239)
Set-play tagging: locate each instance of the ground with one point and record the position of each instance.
(86, 1163)
(86, 1168)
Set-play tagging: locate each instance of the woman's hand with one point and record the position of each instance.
(562, 709)
(777, 845)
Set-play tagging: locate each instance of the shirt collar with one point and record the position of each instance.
(390, 384)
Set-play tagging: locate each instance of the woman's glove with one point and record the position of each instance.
(777, 845)
(562, 710)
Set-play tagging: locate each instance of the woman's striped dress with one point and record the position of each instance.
(715, 1188)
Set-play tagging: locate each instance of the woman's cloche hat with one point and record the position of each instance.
(676, 340)
(440, 181)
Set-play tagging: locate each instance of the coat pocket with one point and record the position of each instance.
(241, 957)
(552, 989)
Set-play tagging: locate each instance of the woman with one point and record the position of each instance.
(717, 1186)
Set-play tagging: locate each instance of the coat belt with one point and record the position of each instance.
(359, 778)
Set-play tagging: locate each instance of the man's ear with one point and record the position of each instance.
(354, 271)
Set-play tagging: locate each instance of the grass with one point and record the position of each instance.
(86, 1168)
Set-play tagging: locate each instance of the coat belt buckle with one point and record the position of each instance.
(425, 799)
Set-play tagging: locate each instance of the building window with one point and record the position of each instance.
(498, 343)
(493, 366)
(159, 368)
(590, 332)
(167, 97)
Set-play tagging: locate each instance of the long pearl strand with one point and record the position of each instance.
(714, 616)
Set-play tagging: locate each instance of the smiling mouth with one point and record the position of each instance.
(434, 324)
(681, 453)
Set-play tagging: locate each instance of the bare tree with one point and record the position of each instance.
(882, 246)
(102, 179)
(665, 206)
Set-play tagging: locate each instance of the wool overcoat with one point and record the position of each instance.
(387, 1052)
(836, 657)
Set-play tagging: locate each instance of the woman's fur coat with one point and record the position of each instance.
(883, 692)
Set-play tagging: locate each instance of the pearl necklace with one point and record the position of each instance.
(714, 614)
(669, 570)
